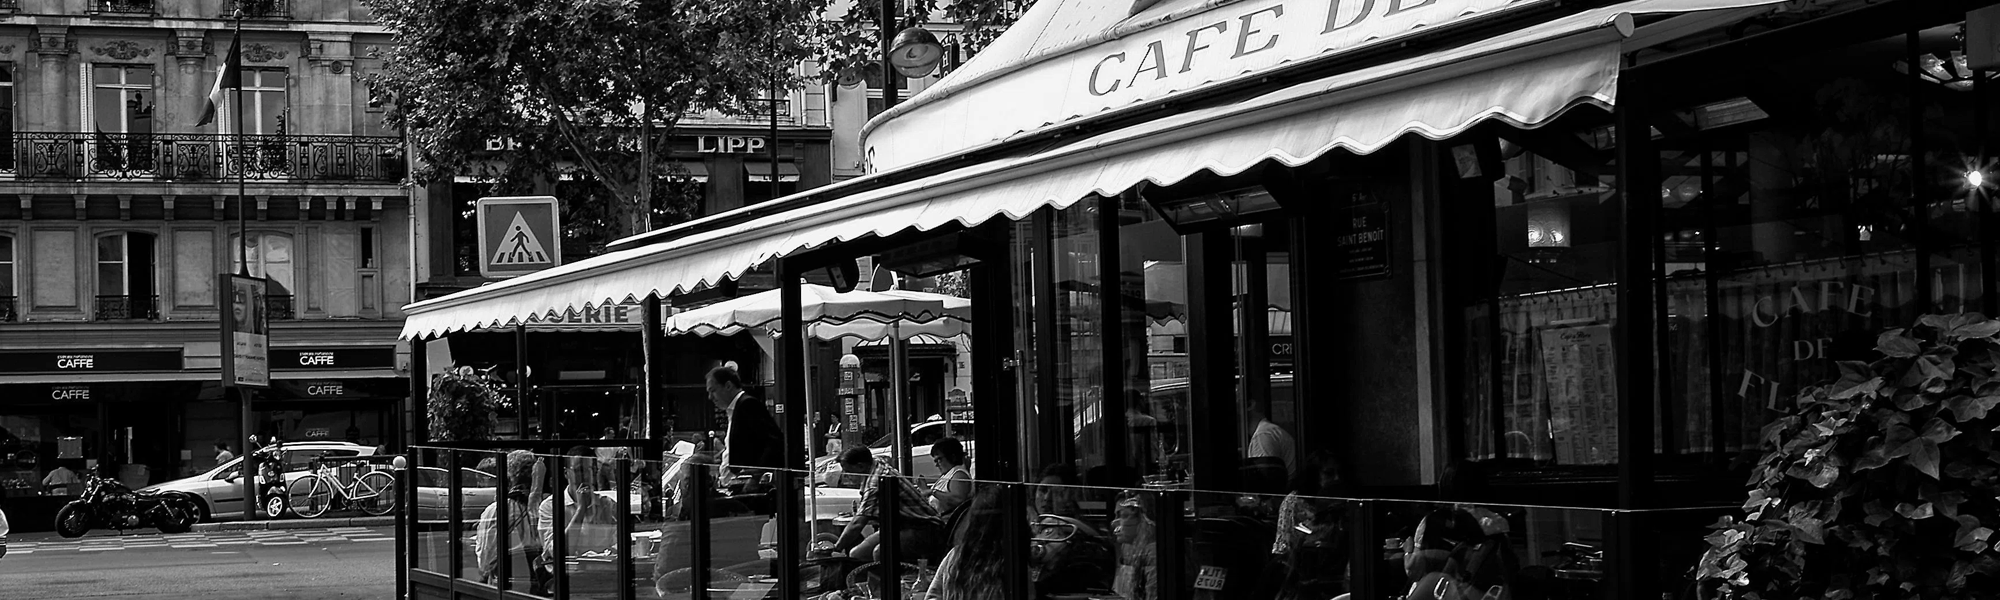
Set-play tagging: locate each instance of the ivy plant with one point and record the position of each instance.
(1882, 485)
(464, 405)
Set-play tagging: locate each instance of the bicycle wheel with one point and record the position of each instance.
(311, 496)
(376, 493)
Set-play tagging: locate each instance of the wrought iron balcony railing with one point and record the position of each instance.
(7, 313)
(279, 308)
(258, 9)
(202, 157)
(125, 7)
(122, 307)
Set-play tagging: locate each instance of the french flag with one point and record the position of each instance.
(231, 78)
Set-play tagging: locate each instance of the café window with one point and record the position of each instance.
(1530, 284)
(1802, 217)
(270, 257)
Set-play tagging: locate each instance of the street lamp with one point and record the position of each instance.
(914, 52)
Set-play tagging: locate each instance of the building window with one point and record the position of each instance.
(122, 99)
(125, 288)
(873, 76)
(265, 110)
(6, 278)
(6, 115)
(270, 258)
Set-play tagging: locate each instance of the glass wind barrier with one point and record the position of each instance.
(1466, 550)
(603, 523)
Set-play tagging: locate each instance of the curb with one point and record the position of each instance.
(295, 524)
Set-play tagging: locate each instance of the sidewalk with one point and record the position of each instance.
(320, 523)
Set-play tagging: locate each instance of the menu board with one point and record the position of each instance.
(1580, 372)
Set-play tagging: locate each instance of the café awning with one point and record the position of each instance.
(1523, 78)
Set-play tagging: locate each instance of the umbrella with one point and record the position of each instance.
(831, 315)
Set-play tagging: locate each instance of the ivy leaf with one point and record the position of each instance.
(1909, 401)
(1810, 530)
(1877, 513)
(1862, 389)
(1971, 537)
(1924, 456)
(1914, 512)
(1968, 408)
(1980, 330)
(1876, 455)
(1893, 343)
(1937, 431)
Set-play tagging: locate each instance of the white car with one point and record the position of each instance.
(221, 488)
(922, 437)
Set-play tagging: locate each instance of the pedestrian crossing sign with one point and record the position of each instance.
(518, 235)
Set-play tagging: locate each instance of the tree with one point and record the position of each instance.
(586, 85)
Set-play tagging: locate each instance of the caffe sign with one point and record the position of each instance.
(103, 361)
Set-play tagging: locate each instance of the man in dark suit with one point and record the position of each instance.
(753, 441)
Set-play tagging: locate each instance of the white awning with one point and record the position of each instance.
(1524, 78)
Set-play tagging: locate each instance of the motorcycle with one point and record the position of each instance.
(106, 503)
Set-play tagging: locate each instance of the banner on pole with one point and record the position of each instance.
(246, 340)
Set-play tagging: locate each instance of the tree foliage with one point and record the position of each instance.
(589, 85)
(1882, 485)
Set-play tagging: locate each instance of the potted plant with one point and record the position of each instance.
(1883, 484)
(463, 406)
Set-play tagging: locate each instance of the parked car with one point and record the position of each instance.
(221, 489)
(477, 488)
(922, 437)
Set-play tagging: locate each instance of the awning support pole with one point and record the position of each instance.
(791, 376)
(899, 409)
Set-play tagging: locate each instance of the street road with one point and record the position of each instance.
(340, 562)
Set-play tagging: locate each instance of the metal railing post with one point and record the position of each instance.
(697, 509)
(503, 512)
(1172, 561)
(623, 552)
(887, 505)
(456, 503)
(558, 520)
(404, 530)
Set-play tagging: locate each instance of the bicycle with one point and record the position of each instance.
(374, 492)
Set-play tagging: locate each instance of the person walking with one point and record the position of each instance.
(222, 454)
(753, 441)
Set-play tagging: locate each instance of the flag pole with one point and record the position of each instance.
(242, 168)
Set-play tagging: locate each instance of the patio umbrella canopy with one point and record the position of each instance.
(831, 315)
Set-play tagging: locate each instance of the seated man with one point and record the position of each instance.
(589, 522)
(919, 529)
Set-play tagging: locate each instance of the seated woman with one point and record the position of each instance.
(976, 566)
(955, 486)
